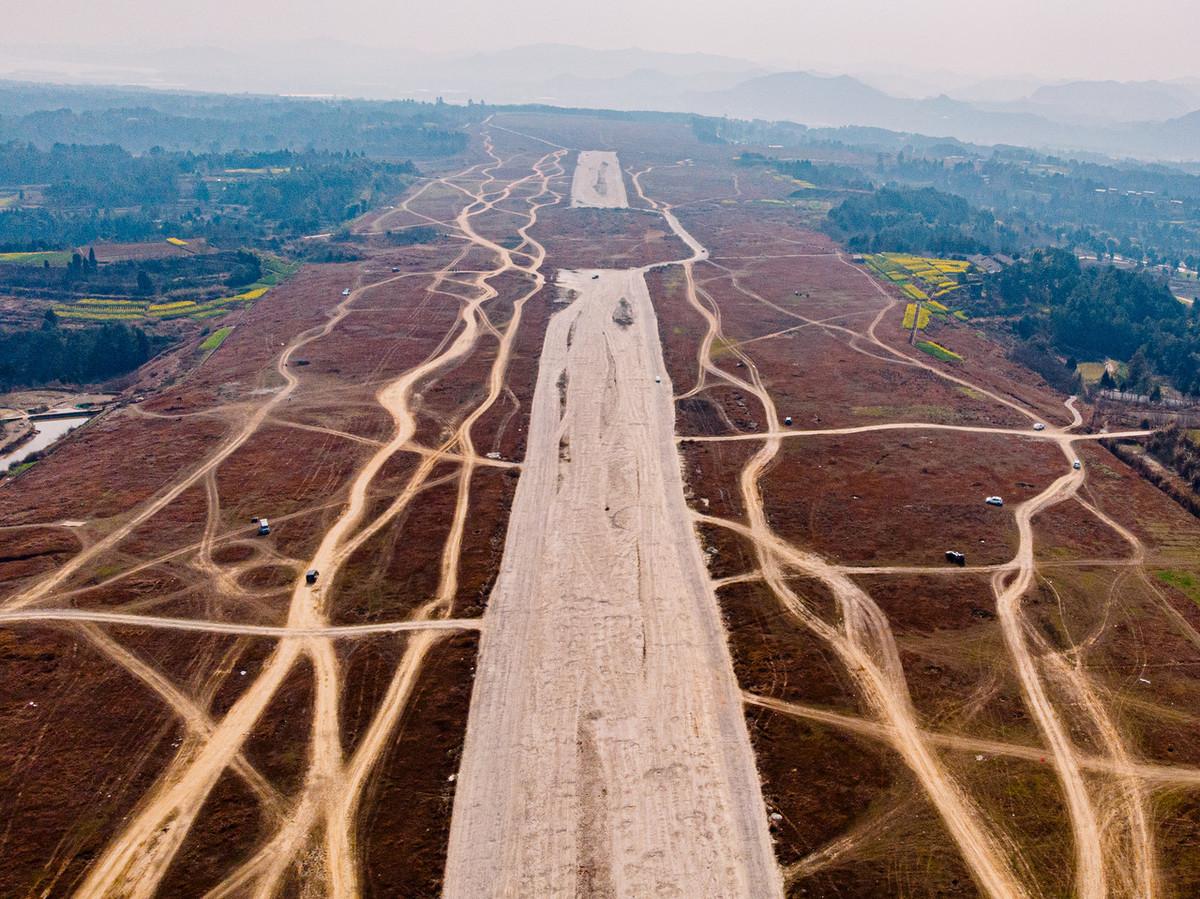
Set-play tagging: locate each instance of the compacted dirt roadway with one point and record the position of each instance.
(606, 752)
(598, 181)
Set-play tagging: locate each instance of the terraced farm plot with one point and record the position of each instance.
(215, 339)
(926, 280)
(131, 309)
(38, 257)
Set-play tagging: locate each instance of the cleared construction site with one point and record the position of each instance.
(613, 541)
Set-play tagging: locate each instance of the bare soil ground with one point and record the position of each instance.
(604, 724)
(775, 323)
(598, 181)
(1019, 727)
(347, 421)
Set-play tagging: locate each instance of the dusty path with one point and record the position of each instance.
(1159, 774)
(1051, 435)
(598, 181)
(862, 639)
(1089, 862)
(135, 861)
(333, 791)
(36, 616)
(227, 448)
(1117, 823)
(606, 752)
(1099, 824)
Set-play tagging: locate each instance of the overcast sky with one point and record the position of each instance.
(1054, 38)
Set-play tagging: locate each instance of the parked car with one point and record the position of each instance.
(994, 501)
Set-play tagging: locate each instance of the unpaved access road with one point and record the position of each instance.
(598, 181)
(606, 752)
(38, 616)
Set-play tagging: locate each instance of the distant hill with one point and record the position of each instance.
(1177, 138)
(838, 101)
(803, 97)
(1115, 101)
(1061, 120)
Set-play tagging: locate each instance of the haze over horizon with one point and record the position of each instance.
(932, 38)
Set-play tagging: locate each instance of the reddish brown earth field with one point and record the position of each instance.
(183, 714)
(857, 645)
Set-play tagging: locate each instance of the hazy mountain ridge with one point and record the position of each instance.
(1152, 119)
(1114, 101)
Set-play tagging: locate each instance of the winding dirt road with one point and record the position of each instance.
(320, 818)
(37, 616)
(1111, 825)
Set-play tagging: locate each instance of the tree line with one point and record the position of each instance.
(1098, 312)
(917, 220)
(1174, 447)
(198, 276)
(141, 120)
(95, 193)
(49, 354)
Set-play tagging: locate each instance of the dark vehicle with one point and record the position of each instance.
(310, 577)
(955, 558)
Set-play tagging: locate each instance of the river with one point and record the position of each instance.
(49, 431)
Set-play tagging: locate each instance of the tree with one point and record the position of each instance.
(1139, 370)
(144, 284)
(91, 260)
